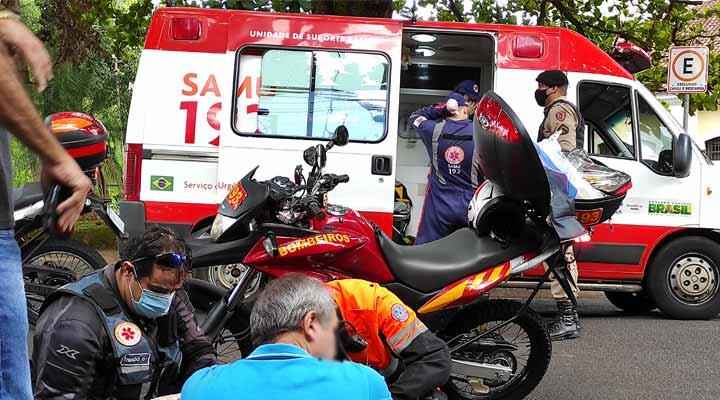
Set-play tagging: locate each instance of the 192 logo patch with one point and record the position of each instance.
(399, 313)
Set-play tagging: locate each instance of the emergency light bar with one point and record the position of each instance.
(528, 46)
(185, 28)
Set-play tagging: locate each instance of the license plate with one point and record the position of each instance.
(116, 220)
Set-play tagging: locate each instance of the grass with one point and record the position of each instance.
(92, 230)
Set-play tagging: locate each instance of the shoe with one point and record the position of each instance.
(567, 325)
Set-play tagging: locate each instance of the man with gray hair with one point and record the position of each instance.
(294, 322)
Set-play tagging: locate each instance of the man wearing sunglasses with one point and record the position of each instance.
(126, 331)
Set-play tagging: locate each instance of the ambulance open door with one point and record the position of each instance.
(298, 78)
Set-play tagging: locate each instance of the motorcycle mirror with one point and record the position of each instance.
(298, 174)
(309, 156)
(341, 136)
(320, 156)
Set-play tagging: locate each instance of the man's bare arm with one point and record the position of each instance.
(19, 116)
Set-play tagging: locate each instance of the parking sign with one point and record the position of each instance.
(688, 69)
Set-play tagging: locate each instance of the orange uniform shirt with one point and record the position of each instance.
(379, 316)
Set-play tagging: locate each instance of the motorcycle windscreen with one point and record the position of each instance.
(244, 199)
(506, 154)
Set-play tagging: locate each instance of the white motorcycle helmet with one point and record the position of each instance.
(490, 212)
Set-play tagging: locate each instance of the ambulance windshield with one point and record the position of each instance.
(307, 94)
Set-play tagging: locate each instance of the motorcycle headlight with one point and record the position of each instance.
(219, 226)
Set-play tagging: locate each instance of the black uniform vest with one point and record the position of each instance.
(137, 361)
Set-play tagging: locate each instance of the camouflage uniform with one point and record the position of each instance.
(562, 116)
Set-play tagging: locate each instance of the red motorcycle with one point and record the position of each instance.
(500, 348)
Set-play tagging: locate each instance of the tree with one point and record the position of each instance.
(654, 25)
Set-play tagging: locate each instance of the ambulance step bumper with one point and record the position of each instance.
(602, 287)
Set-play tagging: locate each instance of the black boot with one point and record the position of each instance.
(566, 326)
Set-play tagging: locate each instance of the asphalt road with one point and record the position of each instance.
(637, 357)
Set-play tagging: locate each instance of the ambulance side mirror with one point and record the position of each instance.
(341, 136)
(682, 156)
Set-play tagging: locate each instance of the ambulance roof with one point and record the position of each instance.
(224, 30)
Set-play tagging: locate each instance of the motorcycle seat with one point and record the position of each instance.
(432, 266)
(27, 195)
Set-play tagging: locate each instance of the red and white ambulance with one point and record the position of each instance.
(219, 92)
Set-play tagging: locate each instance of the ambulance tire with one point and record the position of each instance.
(631, 303)
(697, 297)
(538, 360)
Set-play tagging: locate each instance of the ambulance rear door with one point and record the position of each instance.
(300, 77)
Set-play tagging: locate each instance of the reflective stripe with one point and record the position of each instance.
(399, 341)
(437, 132)
(387, 372)
(475, 171)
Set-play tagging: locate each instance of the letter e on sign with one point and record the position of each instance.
(688, 69)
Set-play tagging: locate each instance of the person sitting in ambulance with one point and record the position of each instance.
(125, 331)
(454, 174)
(384, 333)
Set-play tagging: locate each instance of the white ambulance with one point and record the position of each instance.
(219, 92)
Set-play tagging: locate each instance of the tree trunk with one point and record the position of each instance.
(354, 8)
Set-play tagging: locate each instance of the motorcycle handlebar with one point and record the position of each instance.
(56, 195)
(343, 179)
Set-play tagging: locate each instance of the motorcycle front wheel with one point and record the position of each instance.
(525, 349)
(233, 340)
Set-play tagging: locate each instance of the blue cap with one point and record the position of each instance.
(457, 97)
(468, 88)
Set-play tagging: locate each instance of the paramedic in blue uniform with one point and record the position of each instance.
(447, 134)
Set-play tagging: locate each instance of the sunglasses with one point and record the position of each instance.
(170, 260)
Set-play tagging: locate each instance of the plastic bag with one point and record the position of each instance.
(603, 179)
(556, 162)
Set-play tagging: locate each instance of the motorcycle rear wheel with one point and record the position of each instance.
(528, 325)
(66, 255)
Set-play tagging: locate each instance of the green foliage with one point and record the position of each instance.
(654, 25)
(96, 45)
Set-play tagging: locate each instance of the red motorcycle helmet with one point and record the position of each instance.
(84, 137)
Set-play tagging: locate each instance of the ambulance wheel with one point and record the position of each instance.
(222, 276)
(684, 278)
(528, 354)
(633, 303)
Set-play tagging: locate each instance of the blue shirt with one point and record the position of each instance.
(282, 372)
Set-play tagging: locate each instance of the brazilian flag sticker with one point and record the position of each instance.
(161, 183)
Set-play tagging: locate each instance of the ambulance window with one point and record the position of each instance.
(307, 94)
(656, 140)
(607, 110)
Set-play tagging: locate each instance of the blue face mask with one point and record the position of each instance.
(151, 304)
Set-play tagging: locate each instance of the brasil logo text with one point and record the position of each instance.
(669, 208)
